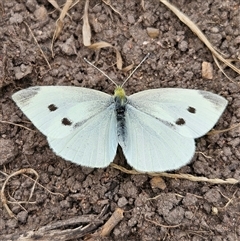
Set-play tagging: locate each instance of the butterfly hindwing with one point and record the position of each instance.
(92, 144)
(149, 146)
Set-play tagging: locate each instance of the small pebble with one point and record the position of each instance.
(22, 216)
(153, 32)
(157, 182)
(207, 70)
(41, 14)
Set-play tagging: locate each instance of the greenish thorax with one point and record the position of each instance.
(120, 96)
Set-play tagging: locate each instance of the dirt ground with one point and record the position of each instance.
(175, 209)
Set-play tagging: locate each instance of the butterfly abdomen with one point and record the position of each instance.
(120, 111)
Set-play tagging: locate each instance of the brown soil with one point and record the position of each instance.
(200, 210)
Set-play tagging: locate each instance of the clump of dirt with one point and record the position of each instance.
(178, 210)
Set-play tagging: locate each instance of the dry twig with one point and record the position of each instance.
(179, 176)
(44, 56)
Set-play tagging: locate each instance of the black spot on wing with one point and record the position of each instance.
(52, 107)
(180, 121)
(66, 122)
(191, 110)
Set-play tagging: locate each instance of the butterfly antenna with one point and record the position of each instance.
(135, 69)
(100, 71)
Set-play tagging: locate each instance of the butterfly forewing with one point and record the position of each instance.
(57, 110)
(191, 113)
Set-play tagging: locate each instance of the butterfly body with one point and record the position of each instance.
(155, 128)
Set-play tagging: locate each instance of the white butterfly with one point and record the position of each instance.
(155, 128)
